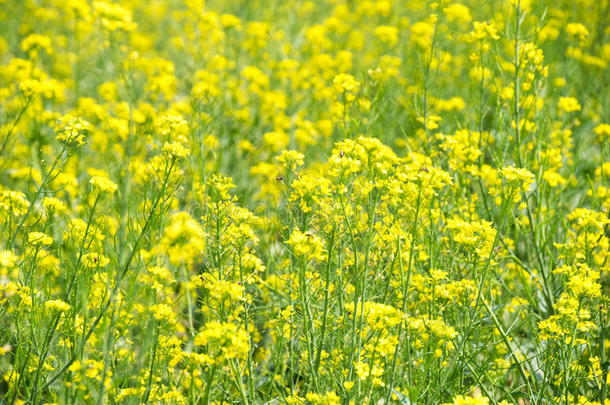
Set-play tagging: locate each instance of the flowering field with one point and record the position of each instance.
(304, 202)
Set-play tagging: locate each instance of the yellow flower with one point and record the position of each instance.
(33, 42)
(39, 239)
(378, 316)
(218, 187)
(457, 12)
(483, 30)
(223, 291)
(518, 176)
(175, 150)
(307, 245)
(577, 30)
(473, 400)
(224, 340)
(7, 259)
(603, 132)
(55, 205)
(57, 305)
(568, 104)
(422, 32)
(291, 159)
(14, 202)
(387, 34)
(183, 239)
(476, 235)
(114, 17)
(554, 179)
(103, 185)
(345, 85)
(330, 398)
(71, 130)
(93, 260)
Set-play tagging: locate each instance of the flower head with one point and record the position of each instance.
(71, 130)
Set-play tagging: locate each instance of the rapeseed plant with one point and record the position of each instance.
(315, 202)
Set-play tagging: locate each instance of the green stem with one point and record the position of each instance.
(119, 280)
(405, 294)
(43, 183)
(152, 367)
(325, 310)
(208, 386)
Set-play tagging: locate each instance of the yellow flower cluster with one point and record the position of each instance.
(304, 202)
(224, 341)
(103, 184)
(306, 245)
(71, 130)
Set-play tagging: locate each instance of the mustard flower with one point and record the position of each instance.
(175, 150)
(307, 245)
(291, 159)
(71, 130)
(346, 85)
(568, 104)
(225, 341)
(57, 305)
(39, 239)
(92, 260)
(103, 185)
